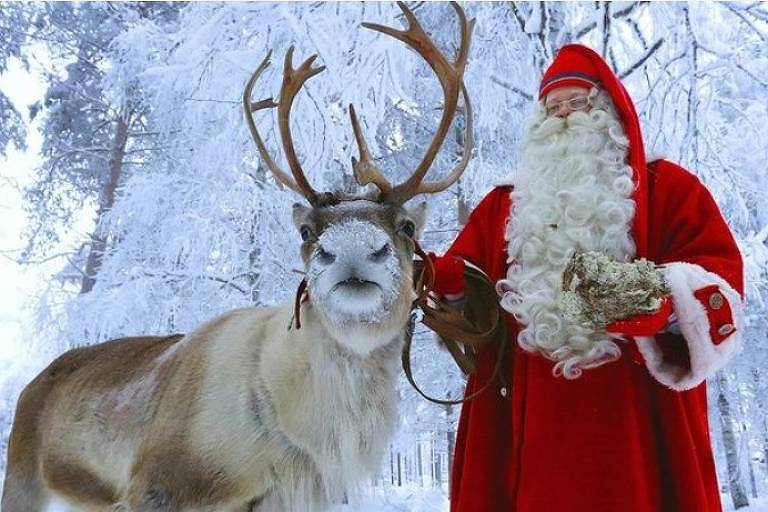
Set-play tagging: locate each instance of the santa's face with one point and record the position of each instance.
(573, 192)
(561, 102)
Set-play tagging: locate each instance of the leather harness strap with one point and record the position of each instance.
(462, 337)
(302, 295)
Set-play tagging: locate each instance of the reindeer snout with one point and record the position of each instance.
(362, 253)
(380, 255)
(354, 249)
(326, 257)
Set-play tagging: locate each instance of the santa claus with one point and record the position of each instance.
(597, 417)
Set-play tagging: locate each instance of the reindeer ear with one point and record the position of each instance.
(300, 214)
(418, 215)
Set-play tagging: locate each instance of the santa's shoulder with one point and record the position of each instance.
(498, 188)
(493, 202)
(664, 170)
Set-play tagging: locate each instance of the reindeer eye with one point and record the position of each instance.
(408, 228)
(306, 233)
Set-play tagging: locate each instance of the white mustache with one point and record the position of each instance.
(548, 127)
(575, 121)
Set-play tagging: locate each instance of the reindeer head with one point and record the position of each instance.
(358, 250)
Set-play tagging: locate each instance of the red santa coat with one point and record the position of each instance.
(628, 436)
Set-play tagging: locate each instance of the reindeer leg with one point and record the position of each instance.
(24, 489)
(23, 493)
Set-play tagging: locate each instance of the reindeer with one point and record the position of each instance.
(280, 408)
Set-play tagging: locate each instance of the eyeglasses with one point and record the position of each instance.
(571, 105)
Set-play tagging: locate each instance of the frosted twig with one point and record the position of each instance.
(631, 69)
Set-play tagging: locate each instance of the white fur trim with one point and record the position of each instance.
(706, 358)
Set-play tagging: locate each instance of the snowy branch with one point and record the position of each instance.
(737, 11)
(498, 81)
(641, 61)
(622, 13)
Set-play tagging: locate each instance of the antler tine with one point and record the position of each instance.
(450, 75)
(365, 170)
(293, 81)
(249, 108)
(469, 142)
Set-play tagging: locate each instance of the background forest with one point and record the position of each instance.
(149, 211)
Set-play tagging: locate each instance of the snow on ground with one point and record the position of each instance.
(417, 499)
(398, 499)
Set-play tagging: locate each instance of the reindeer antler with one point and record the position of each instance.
(365, 170)
(249, 109)
(293, 81)
(450, 74)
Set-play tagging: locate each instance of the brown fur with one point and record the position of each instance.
(39, 453)
(57, 388)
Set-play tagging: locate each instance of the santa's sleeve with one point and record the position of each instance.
(704, 272)
(473, 243)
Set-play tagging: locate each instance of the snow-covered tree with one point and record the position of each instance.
(15, 20)
(94, 127)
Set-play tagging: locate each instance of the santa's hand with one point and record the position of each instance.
(643, 325)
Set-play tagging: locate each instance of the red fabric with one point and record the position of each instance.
(569, 68)
(643, 325)
(718, 317)
(449, 274)
(614, 439)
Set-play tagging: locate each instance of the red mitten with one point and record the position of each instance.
(449, 274)
(643, 325)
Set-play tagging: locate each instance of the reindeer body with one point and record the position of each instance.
(288, 417)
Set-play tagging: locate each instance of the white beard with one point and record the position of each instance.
(574, 192)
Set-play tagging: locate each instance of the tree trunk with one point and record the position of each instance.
(736, 489)
(763, 414)
(752, 480)
(765, 444)
(432, 460)
(407, 468)
(420, 462)
(449, 439)
(107, 199)
(391, 466)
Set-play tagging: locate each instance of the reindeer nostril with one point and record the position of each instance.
(380, 255)
(325, 257)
